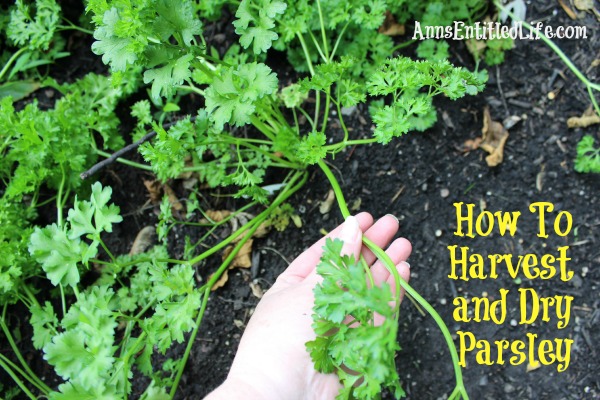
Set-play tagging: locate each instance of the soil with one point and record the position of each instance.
(418, 178)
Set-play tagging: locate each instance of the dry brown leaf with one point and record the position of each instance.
(589, 117)
(470, 145)
(257, 291)
(390, 27)
(326, 204)
(476, 47)
(173, 200)
(567, 9)
(262, 230)
(583, 5)
(154, 189)
(243, 259)
(215, 216)
(494, 137)
(220, 282)
(143, 240)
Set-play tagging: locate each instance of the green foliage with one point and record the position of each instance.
(141, 33)
(255, 21)
(60, 249)
(360, 353)
(83, 346)
(495, 49)
(311, 149)
(33, 27)
(433, 50)
(411, 109)
(588, 156)
(232, 97)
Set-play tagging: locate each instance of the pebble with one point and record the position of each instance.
(483, 381)
(424, 187)
(443, 301)
(513, 322)
(438, 233)
(508, 388)
(444, 193)
(577, 281)
(346, 111)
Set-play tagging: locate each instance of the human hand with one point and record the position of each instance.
(272, 361)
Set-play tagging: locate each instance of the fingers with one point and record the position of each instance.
(306, 262)
(381, 233)
(351, 235)
(398, 251)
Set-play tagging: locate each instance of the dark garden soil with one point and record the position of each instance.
(418, 178)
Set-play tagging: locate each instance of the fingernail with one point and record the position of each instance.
(350, 230)
(396, 218)
(406, 263)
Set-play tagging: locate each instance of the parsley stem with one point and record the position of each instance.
(32, 377)
(62, 299)
(308, 118)
(126, 162)
(74, 28)
(322, 23)
(11, 60)
(59, 199)
(190, 343)
(283, 195)
(403, 44)
(326, 111)
(306, 54)
(17, 380)
(316, 43)
(340, 145)
(192, 88)
(339, 38)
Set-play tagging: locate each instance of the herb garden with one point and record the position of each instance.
(163, 161)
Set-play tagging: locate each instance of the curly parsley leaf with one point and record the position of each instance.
(232, 97)
(255, 22)
(44, 323)
(366, 350)
(95, 216)
(59, 255)
(311, 148)
(33, 28)
(588, 156)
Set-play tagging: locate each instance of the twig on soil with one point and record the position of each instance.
(501, 91)
(117, 154)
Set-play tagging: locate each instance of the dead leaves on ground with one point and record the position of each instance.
(589, 117)
(145, 239)
(156, 190)
(390, 27)
(580, 5)
(243, 259)
(493, 139)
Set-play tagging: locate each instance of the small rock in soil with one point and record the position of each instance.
(508, 388)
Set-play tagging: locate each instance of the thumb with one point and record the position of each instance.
(351, 235)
